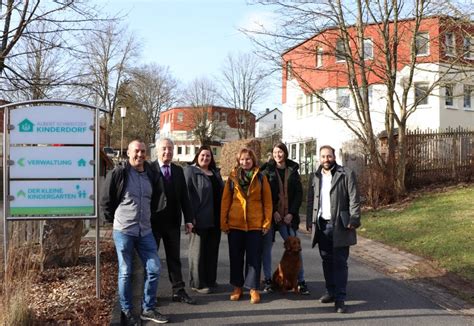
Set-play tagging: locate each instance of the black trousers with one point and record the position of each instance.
(171, 236)
(203, 254)
(245, 253)
(334, 261)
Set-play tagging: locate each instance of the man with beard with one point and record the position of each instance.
(333, 214)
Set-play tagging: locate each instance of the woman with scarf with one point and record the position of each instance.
(246, 214)
(287, 193)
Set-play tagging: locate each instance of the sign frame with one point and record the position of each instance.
(95, 127)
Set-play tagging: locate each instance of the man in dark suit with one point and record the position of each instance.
(332, 215)
(166, 221)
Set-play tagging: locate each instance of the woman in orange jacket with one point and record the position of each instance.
(246, 213)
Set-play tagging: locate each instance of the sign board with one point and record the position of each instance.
(43, 162)
(51, 125)
(61, 197)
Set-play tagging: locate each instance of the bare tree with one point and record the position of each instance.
(155, 90)
(201, 94)
(39, 71)
(345, 26)
(243, 85)
(106, 57)
(41, 28)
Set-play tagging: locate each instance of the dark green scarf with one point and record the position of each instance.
(245, 178)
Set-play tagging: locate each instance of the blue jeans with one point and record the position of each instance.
(147, 250)
(245, 256)
(285, 231)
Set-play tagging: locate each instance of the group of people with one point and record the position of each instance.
(147, 202)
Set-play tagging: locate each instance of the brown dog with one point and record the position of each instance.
(285, 277)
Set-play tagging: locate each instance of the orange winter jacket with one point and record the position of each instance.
(246, 211)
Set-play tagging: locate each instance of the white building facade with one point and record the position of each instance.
(268, 123)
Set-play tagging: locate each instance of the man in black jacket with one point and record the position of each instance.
(166, 221)
(128, 198)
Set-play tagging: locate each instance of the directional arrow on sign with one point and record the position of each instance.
(21, 162)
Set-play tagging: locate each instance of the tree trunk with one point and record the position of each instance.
(400, 188)
(61, 241)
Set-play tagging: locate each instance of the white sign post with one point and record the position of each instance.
(51, 164)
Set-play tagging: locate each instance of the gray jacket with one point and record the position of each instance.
(345, 206)
(200, 194)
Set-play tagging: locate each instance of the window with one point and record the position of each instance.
(180, 116)
(274, 126)
(450, 44)
(309, 103)
(421, 93)
(370, 92)
(180, 150)
(318, 104)
(274, 117)
(340, 50)
(293, 151)
(468, 47)
(224, 116)
(422, 43)
(214, 150)
(319, 57)
(299, 106)
(187, 150)
(343, 98)
(196, 149)
(449, 95)
(467, 96)
(368, 49)
(289, 70)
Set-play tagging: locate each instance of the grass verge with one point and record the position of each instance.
(437, 226)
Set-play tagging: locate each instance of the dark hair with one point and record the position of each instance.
(251, 153)
(328, 147)
(212, 164)
(283, 148)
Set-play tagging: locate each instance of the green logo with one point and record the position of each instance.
(26, 126)
(80, 192)
(81, 162)
(21, 162)
(20, 193)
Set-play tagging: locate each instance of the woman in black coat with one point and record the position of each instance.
(205, 186)
(287, 194)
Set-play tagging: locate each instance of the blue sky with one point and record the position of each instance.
(193, 37)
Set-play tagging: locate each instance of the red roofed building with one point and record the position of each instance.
(444, 57)
(178, 124)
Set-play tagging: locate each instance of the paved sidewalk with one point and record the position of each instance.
(390, 261)
(397, 264)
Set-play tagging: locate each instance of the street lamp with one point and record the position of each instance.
(123, 113)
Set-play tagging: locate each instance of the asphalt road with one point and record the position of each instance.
(373, 299)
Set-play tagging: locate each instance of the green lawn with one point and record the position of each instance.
(437, 226)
